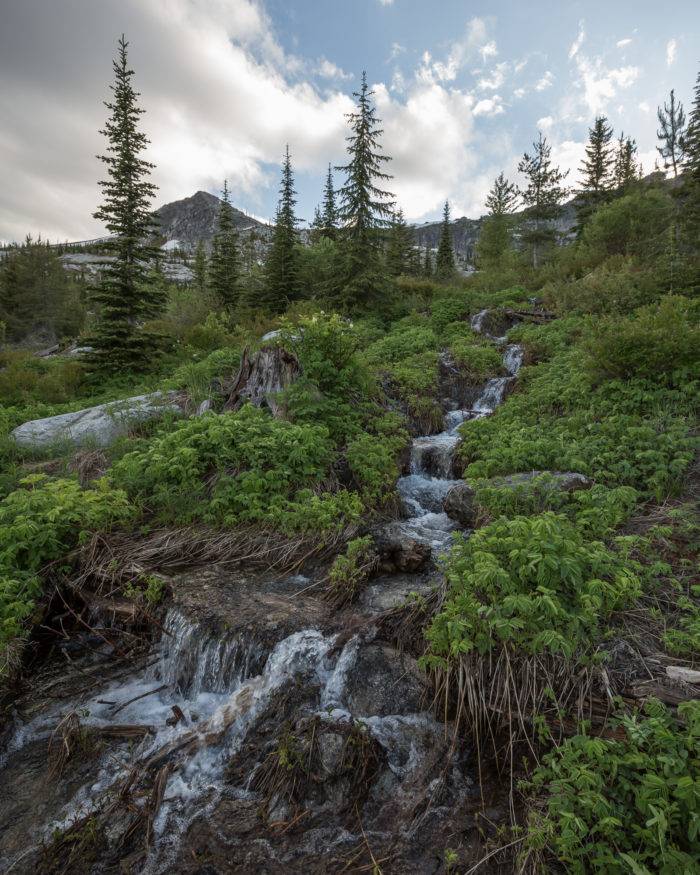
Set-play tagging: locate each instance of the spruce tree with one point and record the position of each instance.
(224, 264)
(691, 172)
(543, 197)
(282, 269)
(329, 216)
(122, 295)
(399, 248)
(596, 170)
(445, 261)
(199, 269)
(625, 172)
(672, 120)
(495, 235)
(364, 206)
(428, 271)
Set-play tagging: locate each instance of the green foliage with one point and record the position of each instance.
(25, 378)
(624, 806)
(478, 361)
(617, 285)
(534, 583)
(243, 467)
(657, 342)
(224, 264)
(350, 571)
(39, 523)
(631, 225)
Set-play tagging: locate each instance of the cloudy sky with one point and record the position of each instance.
(461, 85)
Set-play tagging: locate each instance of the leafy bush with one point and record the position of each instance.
(25, 378)
(39, 523)
(350, 571)
(476, 361)
(624, 806)
(618, 285)
(236, 468)
(535, 583)
(656, 341)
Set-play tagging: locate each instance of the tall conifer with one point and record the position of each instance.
(282, 268)
(123, 296)
(495, 235)
(399, 249)
(625, 172)
(596, 169)
(691, 171)
(329, 214)
(445, 260)
(364, 207)
(672, 120)
(543, 197)
(224, 264)
(200, 268)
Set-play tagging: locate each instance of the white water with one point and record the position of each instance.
(424, 490)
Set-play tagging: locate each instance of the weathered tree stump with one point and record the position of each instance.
(261, 377)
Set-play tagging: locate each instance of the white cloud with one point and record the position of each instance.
(519, 92)
(599, 84)
(328, 70)
(545, 123)
(386, 2)
(489, 106)
(545, 82)
(396, 50)
(578, 42)
(623, 43)
(495, 79)
(644, 106)
(671, 47)
(474, 41)
(490, 50)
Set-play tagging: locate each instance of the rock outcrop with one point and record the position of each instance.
(97, 426)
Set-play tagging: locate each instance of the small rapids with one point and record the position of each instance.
(424, 490)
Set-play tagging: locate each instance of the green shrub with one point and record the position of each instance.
(618, 285)
(237, 468)
(624, 806)
(24, 378)
(535, 583)
(477, 362)
(40, 523)
(351, 571)
(655, 342)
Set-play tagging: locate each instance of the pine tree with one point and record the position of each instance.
(445, 261)
(596, 170)
(224, 264)
(329, 216)
(282, 268)
(200, 268)
(122, 295)
(398, 254)
(691, 172)
(543, 197)
(495, 235)
(364, 206)
(625, 172)
(672, 120)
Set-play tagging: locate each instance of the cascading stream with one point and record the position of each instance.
(424, 490)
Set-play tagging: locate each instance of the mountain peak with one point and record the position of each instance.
(194, 218)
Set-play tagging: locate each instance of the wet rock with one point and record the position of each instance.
(331, 746)
(398, 551)
(384, 681)
(98, 426)
(460, 504)
(392, 591)
(558, 481)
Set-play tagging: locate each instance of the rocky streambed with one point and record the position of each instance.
(263, 731)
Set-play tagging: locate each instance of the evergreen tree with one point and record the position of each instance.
(596, 170)
(329, 216)
(224, 264)
(282, 269)
(672, 120)
(364, 206)
(625, 172)
(398, 255)
(691, 167)
(445, 261)
(316, 229)
(200, 268)
(123, 296)
(495, 235)
(543, 197)
(428, 263)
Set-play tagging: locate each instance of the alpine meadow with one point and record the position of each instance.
(362, 539)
